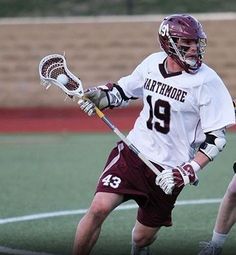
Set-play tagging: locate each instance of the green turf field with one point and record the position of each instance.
(57, 173)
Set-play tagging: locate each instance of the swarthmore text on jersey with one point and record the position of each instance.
(165, 90)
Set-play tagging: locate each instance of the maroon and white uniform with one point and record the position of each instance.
(177, 110)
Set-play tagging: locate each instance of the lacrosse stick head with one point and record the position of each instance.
(53, 66)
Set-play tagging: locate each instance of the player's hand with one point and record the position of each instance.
(87, 106)
(184, 175)
(93, 97)
(176, 177)
(166, 181)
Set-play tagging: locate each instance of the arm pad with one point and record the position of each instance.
(115, 95)
(214, 143)
(106, 96)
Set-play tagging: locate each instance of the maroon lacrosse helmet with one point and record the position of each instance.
(182, 26)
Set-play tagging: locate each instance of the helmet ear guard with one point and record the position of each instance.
(176, 27)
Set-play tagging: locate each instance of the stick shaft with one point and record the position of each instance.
(79, 93)
(126, 141)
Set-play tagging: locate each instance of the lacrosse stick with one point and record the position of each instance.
(53, 70)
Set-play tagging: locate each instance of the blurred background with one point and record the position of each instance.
(52, 154)
(39, 8)
(103, 41)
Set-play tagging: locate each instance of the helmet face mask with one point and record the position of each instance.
(183, 39)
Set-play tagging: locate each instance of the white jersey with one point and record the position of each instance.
(177, 109)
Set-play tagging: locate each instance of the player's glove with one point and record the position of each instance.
(107, 96)
(184, 175)
(166, 181)
(178, 177)
(93, 97)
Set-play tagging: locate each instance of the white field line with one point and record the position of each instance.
(82, 211)
(6, 250)
(110, 19)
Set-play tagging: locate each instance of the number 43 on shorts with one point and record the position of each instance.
(112, 181)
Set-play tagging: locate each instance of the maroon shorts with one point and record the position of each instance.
(126, 174)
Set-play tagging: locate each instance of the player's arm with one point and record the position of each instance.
(118, 94)
(107, 96)
(214, 143)
(186, 173)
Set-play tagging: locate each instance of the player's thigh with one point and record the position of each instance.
(103, 203)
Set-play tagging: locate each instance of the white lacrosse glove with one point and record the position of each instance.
(107, 96)
(87, 106)
(178, 177)
(93, 97)
(166, 181)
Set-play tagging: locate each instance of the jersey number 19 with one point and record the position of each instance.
(161, 110)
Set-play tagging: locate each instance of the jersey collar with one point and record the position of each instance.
(162, 68)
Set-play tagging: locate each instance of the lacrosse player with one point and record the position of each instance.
(226, 218)
(181, 127)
